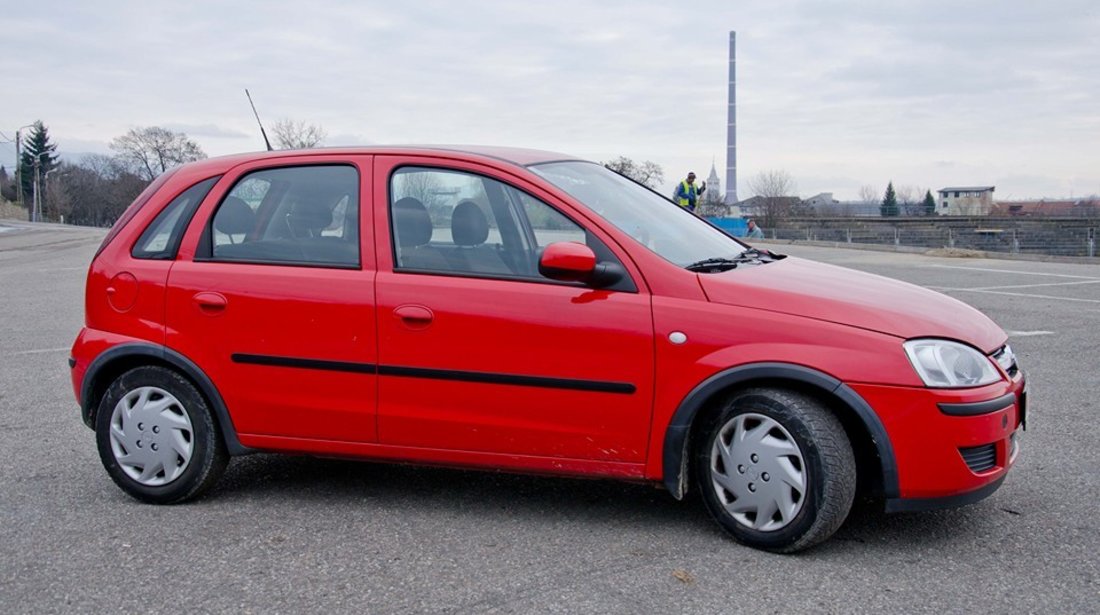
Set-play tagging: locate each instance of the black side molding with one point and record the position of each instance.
(545, 382)
(598, 386)
(979, 407)
(321, 364)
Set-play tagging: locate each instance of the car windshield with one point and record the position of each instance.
(668, 230)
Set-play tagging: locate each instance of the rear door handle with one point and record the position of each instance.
(210, 303)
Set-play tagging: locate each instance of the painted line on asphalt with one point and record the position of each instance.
(1037, 285)
(42, 350)
(1050, 275)
(999, 292)
(1028, 333)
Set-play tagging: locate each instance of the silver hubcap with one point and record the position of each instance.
(151, 436)
(758, 472)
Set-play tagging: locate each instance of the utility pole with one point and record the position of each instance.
(18, 164)
(34, 195)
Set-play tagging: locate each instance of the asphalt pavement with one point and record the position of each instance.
(283, 534)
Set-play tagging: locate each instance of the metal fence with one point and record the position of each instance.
(1061, 238)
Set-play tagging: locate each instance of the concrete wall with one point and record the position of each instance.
(1055, 236)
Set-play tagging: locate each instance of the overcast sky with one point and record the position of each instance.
(926, 93)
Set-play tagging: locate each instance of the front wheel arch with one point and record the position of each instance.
(852, 410)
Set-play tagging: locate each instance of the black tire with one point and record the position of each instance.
(827, 473)
(186, 422)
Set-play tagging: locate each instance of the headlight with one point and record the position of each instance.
(943, 364)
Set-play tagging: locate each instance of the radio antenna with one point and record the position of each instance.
(262, 131)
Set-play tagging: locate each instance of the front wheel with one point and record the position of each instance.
(157, 437)
(776, 469)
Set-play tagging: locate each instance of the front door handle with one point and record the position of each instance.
(210, 303)
(414, 316)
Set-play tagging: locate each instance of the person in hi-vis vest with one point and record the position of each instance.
(687, 193)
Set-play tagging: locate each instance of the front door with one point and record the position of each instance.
(477, 351)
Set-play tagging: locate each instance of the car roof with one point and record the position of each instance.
(512, 155)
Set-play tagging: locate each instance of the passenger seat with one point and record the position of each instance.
(413, 227)
(469, 230)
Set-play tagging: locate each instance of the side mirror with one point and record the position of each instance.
(570, 261)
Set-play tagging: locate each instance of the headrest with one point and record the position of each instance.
(468, 224)
(412, 223)
(309, 216)
(234, 217)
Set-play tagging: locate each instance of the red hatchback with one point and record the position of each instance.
(525, 311)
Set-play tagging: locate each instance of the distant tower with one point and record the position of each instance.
(731, 126)
(714, 186)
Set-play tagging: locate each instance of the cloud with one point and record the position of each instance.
(206, 130)
(346, 139)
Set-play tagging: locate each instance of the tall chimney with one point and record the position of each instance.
(731, 126)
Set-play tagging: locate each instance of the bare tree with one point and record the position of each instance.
(95, 191)
(148, 152)
(296, 134)
(776, 189)
(647, 173)
(868, 194)
(904, 194)
(420, 185)
(910, 199)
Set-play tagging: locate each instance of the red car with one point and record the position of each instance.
(525, 311)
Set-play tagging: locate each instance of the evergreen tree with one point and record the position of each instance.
(36, 146)
(889, 205)
(928, 207)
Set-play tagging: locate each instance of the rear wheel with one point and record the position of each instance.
(157, 437)
(776, 469)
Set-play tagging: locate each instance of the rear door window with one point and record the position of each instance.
(305, 215)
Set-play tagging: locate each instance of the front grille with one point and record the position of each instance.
(980, 458)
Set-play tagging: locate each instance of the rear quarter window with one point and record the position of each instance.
(161, 239)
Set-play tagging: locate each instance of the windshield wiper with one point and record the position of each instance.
(711, 265)
(720, 263)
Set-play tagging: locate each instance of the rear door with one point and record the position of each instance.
(274, 299)
(477, 351)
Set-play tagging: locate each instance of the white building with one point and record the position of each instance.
(965, 201)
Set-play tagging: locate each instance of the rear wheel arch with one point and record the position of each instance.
(866, 432)
(117, 360)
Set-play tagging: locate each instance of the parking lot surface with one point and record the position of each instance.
(299, 534)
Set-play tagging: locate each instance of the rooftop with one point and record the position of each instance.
(967, 189)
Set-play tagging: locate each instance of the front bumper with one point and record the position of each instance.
(951, 446)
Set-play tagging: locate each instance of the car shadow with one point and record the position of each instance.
(269, 479)
(322, 480)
